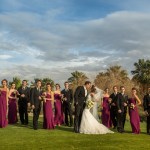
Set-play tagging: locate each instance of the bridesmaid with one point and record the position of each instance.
(106, 120)
(48, 122)
(12, 107)
(3, 103)
(58, 120)
(133, 112)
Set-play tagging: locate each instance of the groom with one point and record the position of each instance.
(80, 99)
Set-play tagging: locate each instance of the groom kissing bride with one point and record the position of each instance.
(84, 121)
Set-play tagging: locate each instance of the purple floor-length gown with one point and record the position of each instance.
(106, 120)
(12, 109)
(58, 120)
(48, 117)
(134, 117)
(3, 109)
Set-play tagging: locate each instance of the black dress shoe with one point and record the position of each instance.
(148, 133)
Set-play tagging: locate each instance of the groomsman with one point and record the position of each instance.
(24, 96)
(67, 103)
(36, 103)
(113, 108)
(80, 102)
(146, 104)
(122, 102)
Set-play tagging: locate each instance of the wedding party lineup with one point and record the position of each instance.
(78, 110)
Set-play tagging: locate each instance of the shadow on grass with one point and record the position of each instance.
(29, 126)
(64, 128)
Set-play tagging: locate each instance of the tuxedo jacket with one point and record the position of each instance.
(146, 103)
(114, 98)
(79, 96)
(35, 97)
(68, 95)
(120, 102)
(26, 92)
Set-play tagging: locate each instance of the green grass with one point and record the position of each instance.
(17, 137)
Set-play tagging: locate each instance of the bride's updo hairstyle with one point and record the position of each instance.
(93, 89)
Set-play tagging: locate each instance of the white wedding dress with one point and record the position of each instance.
(97, 100)
(89, 125)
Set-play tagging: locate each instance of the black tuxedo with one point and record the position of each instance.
(68, 94)
(113, 109)
(37, 103)
(23, 104)
(121, 116)
(80, 100)
(146, 104)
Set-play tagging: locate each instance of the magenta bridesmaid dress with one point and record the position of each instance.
(106, 120)
(12, 109)
(58, 120)
(48, 117)
(134, 116)
(3, 109)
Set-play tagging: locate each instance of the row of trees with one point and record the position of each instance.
(18, 82)
(114, 75)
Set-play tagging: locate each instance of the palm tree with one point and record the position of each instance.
(44, 82)
(77, 78)
(17, 81)
(118, 73)
(142, 72)
(114, 75)
(47, 80)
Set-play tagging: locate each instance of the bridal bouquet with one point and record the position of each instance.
(89, 104)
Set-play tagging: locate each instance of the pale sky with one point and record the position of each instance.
(52, 38)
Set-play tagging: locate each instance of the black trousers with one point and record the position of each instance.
(68, 113)
(113, 115)
(78, 116)
(121, 121)
(23, 112)
(148, 124)
(36, 113)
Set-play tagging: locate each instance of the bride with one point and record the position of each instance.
(89, 124)
(97, 99)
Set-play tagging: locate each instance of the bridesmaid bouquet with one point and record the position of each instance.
(89, 104)
(63, 98)
(132, 106)
(109, 100)
(16, 92)
(43, 98)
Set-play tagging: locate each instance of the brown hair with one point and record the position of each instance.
(93, 89)
(115, 86)
(121, 87)
(39, 81)
(106, 89)
(48, 84)
(134, 89)
(3, 81)
(57, 85)
(13, 83)
(66, 82)
(87, 82)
